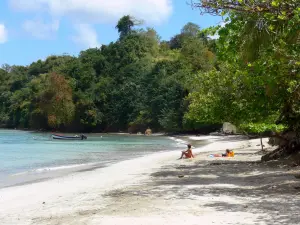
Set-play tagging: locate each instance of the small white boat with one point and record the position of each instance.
(75, 137)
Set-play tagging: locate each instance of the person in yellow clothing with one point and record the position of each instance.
(228, 153)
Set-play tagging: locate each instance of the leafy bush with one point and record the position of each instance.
(259, 128)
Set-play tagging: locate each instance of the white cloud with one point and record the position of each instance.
(3, 34)
(25, 5)
(86, 36)
(40, 29)
(87, 13)
(99, 11)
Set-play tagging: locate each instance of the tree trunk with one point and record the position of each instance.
(290, 145)
(261, 143)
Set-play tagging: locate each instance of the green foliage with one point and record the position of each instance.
(196, 54)
(168, 120)
(260, 47)
(258, 128)
(272, 9)
(249, 76)
(55, 101)
(125, 25)
(143, 118)
(135, 82)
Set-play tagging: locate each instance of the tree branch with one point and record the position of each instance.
(215, 7)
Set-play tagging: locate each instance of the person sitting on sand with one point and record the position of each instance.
(228, 153)
(188, 153)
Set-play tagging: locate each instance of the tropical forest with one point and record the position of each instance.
(244, 71)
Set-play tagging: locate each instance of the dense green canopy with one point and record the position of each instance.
(258, 80)
(248, 76)
(135, 82)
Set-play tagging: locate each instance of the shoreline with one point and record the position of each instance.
(128, 191)
(70, 170)
(57, 171)
(158, 133)
(47, 174)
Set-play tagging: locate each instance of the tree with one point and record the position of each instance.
(55, 101)
(261, 39)
(125, 25)
(95, 58)
(36, 68)
(176, 41)
(270, 7)
(188, 32)
(195, 53)
(190, 29)
(135, 82)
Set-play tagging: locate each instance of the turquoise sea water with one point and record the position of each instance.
(30, 156)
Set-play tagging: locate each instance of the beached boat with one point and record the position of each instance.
(75, 137)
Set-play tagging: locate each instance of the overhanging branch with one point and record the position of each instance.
(216, 7)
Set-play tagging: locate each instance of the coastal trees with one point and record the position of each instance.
(125, 25)
(132, 83)
(260, 46)
(4, 97)
(282, 9)
(189, 31)
(54, 101)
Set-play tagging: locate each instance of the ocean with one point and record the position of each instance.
(27, 157)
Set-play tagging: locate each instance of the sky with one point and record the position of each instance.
(34, 29)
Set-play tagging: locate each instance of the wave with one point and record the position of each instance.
(55, 168)
(179, 141)
(204, 138)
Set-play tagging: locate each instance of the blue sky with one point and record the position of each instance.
(34, 29)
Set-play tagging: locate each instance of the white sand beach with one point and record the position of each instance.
(159, 189)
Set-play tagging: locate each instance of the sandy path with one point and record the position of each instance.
(149, 191)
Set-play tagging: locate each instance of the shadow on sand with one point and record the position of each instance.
(258, 188)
